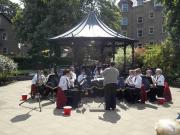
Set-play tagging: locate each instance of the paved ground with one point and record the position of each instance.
(127, 120)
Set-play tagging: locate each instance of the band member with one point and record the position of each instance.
(81, 76)
(159, 80)
(52, 82)
(130, 79)
(110, 75)
(72, 76)
(151, 82)
(38, 82)
(137, 84)
(64, 82)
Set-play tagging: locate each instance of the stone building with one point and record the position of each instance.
(8, 42)
(144, 21)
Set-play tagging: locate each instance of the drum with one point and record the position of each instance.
(73, 97)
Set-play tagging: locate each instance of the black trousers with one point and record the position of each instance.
(132, 95)
(160, 91)
(73, 98)
(110, 95)
(152, 94)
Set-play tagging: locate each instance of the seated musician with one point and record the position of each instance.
(159, 81)
(72, 76)
(82, 83)
(132, 92)
(64, 84)
(38, 82)
(138, 83)
(152, 91)
(130, 79)
(81, 77)
(52, 83)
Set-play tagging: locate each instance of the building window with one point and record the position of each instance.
(124, 7)
(140, 20)
(5, 50)
(4, 36)
(151, 15)
(124, 33)
(151, 30)
(139, 2)
(139, 32)
(124, 21)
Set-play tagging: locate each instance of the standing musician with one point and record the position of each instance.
(159, 81)
(110, 75)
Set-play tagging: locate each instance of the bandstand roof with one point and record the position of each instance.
(91, 28)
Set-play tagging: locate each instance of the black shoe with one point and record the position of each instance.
(107, 109)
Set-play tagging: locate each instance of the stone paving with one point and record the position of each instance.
(138, 119)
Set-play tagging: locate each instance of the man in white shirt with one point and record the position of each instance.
(159, 80)
(110, 75)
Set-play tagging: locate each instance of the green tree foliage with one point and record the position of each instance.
(162, 56)
(119, 57)
(41, 19)
(172, 10)
(8, 8)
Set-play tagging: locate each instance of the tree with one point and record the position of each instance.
(172, 10)
(8, 8)
(41, 19)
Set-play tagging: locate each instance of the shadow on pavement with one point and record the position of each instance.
(110, 116)
(22, 117)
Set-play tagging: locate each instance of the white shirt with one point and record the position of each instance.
(159, 80)
(73, 78)
(81, 77)
(138, 82)
(40, 80)
(130, 80)
(64, 82)
(34, 80)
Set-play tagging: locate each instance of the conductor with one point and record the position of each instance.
(110, 75)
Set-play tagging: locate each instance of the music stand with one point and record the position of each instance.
(30, 98)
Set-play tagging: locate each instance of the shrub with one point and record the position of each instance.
(162, 56)
(7, 65)
(44, 62)
(7, 68)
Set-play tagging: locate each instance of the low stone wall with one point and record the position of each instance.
(15, 78)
